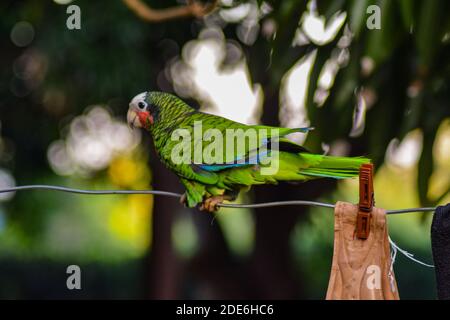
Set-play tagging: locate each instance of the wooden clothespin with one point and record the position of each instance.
(366, 201)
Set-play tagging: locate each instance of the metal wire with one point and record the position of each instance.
(90, 192)
(278, 204)
(177, 195)
(400, 211)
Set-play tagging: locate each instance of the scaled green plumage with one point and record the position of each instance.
(161, 113)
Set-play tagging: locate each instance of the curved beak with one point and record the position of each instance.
(132, 118)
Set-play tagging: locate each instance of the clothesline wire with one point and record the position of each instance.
(177, 195)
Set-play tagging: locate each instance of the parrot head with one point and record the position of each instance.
(150, 109)
(139, 114)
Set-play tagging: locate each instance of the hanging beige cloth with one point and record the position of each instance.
(361, 269)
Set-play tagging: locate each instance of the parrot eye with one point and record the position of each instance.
(142, 105)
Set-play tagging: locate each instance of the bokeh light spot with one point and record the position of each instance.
(22, 34)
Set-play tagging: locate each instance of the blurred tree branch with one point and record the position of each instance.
(191, 9)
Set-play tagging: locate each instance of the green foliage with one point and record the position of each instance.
(411, 69)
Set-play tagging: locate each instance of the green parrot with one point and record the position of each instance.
(216, 158)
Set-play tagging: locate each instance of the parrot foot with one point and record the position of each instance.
(183, 199)
(211, 204)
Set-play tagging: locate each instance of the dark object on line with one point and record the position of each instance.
(440, 243)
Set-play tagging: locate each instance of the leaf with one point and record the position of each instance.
(328, 8)
(357, 15)
(315, 114)
(426, 166)
(407, 13)
(287, 19)
(413, 116)
(381, 42)
(430, 29)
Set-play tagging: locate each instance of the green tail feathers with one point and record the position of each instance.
(333, 167)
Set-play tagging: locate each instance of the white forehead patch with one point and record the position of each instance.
(139, 97)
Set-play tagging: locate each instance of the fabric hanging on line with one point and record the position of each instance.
(361, 269)
(440, 245)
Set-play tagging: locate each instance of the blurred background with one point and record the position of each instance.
(383, 93)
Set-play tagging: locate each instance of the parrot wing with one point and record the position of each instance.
(247, 143)
(242, 145)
